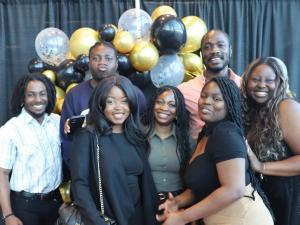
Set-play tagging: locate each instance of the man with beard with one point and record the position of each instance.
(102, 63)
(216, 51)
(30, 162)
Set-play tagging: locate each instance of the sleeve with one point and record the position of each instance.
(226, 142)
(81, 176)
(8, 150)
(142, 103)
(67, 111)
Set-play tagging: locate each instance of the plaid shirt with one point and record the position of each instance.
(32, 151)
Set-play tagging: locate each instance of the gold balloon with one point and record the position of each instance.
(195, 30)
(192, 62)
(70, 56)
(70, 87)
(81, 41)
(189, 75)
(123, 41)
(64, 190)
(50, 74)
(162, 10)
(58, 105)
(59, 92)
(144, 56)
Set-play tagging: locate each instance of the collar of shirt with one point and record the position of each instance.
(173, 133)
(25, 116)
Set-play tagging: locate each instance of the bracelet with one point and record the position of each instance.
(8, 215)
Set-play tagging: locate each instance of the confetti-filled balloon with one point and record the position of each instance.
(168, 71)
(52, 45)
(137, 22)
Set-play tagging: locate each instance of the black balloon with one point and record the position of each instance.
(140, 79)
(82, 63)
(168, 34)
(67, 74)
(106, 32)
(37, 65)
(124, 65)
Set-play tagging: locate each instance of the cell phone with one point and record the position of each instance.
(76, 122)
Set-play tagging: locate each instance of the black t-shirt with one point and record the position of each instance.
(225, 141)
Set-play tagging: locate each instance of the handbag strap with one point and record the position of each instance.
(99, 177)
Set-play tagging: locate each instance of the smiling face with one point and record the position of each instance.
(116, 109)
(103, 62)
(36, 100)
(215, 51)
(165, 108)
(211, 104)
(261, 83)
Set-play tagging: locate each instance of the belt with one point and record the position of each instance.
(37, 196)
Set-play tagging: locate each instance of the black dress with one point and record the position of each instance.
(284, 197)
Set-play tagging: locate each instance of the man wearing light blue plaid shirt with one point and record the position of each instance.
(30, 162)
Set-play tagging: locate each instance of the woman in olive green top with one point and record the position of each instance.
(168, 127)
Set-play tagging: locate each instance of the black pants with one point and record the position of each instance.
(35, 212)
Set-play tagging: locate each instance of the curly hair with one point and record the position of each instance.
(96, 119)
(262, 121)
(181, 123)
(232, 98)
(18, 96)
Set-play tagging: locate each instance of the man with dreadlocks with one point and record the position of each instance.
(220, 184)
(216, 52)
(30, 162)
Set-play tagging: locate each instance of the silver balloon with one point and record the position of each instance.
(52, 45)
(168, 71)
(137, 22)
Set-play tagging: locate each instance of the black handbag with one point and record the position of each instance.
(69, 213)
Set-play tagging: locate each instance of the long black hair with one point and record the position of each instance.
(18, 96)
(232, 98)
(181, 123)
(98, 123)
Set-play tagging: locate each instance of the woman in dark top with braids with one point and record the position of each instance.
(168, 130)
(220, 189)
(272, 118)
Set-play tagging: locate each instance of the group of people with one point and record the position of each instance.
(220, 149)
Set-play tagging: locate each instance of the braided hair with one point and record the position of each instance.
(232, 99)
(181, 123)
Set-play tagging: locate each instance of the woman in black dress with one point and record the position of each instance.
(128, 187)
(220, 189)
(272, 118)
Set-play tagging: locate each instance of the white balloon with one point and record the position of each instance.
(168, 71)
(52, 45)
(137, 22)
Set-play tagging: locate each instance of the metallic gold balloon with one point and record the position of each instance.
(64, 190)
(144, 56)
(70, 87)
(195, 29)
(161, 10)
(58, 105)
(192, 62)
(189, 75)
(123, 41)
(70, 56)
(50, 74)
(81, 41)
(59, 92)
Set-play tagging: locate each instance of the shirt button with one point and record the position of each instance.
(164, 179)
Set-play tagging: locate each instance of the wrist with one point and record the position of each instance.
(7, 216)
(263, 168)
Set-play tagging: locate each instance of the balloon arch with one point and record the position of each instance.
(162, 44)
